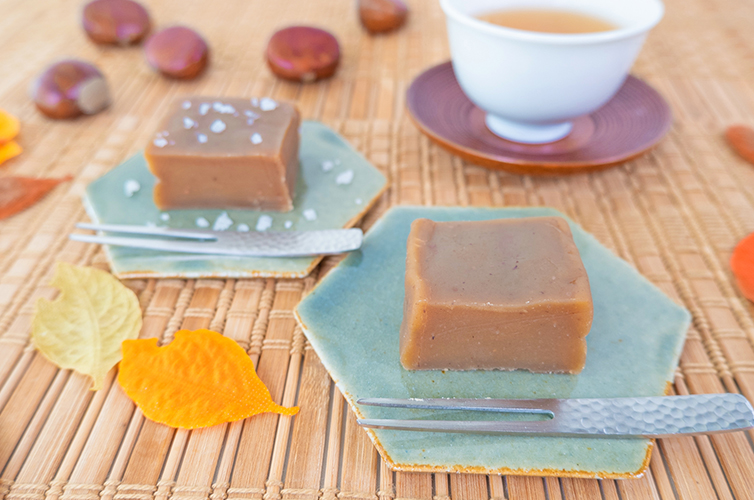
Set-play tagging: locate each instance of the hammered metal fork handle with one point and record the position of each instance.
(652, 417)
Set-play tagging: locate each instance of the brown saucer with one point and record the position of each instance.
(631, 123)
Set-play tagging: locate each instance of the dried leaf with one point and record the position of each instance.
(9, 150)
(741, 139)
(84, 327)
(198, 380)
(9, 126)
(19, 193)
(742, 265)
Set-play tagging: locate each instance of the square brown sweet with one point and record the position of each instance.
(218, 152)
(500, 294)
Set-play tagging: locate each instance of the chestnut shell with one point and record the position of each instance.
(303, 53)
(116, 22)
(177, 52)
(380, 16)
(70, 88)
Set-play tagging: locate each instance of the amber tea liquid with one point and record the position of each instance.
(547, 21)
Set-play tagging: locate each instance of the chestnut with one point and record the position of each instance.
(303, 53)
(116, 22)
(177, 52)
(379, 16)
(70, 88)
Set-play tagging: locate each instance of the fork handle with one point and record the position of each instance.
(653, 417)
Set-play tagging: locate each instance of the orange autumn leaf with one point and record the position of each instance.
(741, 139)
(200, 379)
(19, 193)
(742, 265)
(9, 150)
(9, 126)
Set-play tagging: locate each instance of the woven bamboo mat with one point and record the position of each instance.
(674, 214)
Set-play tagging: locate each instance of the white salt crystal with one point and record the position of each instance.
(264, 223)
(204, 108)
(160, 142)
(217, 126)
(358, 201)
(288, 224)
(222, 222)
(244, 228)
(267, 104)
(327, 165)
(165, 217)
(130, 187)
(225, 109)
(188, 123)
(344, 178)
(186, 105)
(256, 138)
(202, 138)
(202, 222)
(310, 214)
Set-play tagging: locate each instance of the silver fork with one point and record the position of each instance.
(248, 244)
(650, 417)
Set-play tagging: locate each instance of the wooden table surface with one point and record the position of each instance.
(674, 214)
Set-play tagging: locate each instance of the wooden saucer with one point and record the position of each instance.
(631, 123)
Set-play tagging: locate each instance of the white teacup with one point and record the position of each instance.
(533, 84)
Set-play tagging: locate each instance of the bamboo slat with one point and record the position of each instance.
(674, 214)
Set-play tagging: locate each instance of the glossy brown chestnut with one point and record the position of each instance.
(116, 22)
(379, 16)
(177, 52)
(70, 88)
(303, 53)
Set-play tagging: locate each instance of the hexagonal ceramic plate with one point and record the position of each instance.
(327, 197)
(352, 319)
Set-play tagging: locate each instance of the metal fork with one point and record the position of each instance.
(248, 244)
(651, 417)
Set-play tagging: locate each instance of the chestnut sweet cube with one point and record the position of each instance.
(499, 294)
(226, 153)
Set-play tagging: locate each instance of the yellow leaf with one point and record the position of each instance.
(198, 380)
(84, 327)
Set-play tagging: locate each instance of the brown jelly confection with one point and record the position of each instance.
(214, 152)
(501, 294)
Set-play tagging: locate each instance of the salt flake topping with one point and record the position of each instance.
(202, 138)
(327, 165)
(165, 217)
(222, 222)
(160, 142)
(202, 222)
(188, 123)
(217, 126)
(264, 223)
(310, 214)
(130, 187)
(225, 109)
(204, 108)
(243, 228)
(288, 224)
(267, 104)
(256, 138)
(344, 178)
(186, 105)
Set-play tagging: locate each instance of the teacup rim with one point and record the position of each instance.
(554, 38)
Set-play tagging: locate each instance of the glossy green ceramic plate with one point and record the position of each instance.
(352, 319)
(336, 186)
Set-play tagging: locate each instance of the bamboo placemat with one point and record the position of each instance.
(674, 214)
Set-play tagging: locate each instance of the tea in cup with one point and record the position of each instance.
(535, 65)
